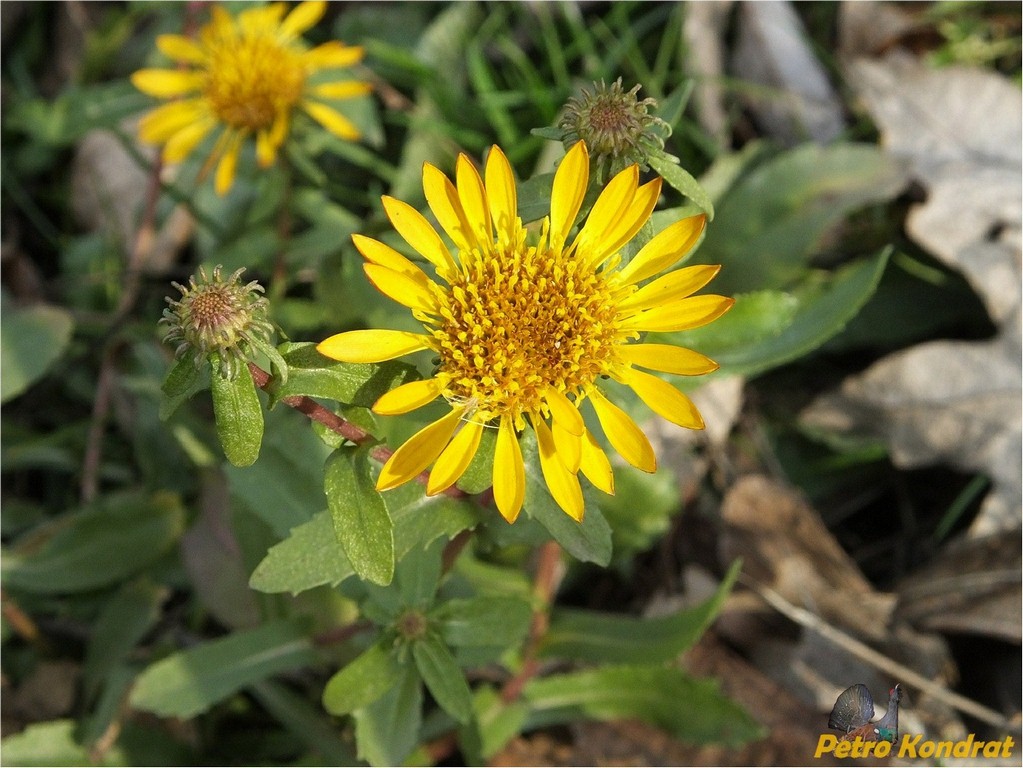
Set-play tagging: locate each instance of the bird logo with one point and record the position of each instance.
(854, 709)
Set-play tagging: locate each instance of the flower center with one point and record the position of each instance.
(252, 79)
(519, 321)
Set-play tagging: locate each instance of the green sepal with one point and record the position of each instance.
(238, 413)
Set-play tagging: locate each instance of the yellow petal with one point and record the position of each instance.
(564, 411)
(401, 288)
(332, 120)
(667, 247)
(568, 191)
(679, 315)
(594, 464)
(623, 434)
(563, 484)
(166, 121)
(668, 288)
(345, 89)
(371, 346)
(266, 150)
(610, 206)
(408, 397)
(417, 232)
(167, 83)
(500, 183)
(509, 472)
(667, 358)
(664, 399)
(180, 145)
(443, 199)
(180, 48)
(418, 452)
(376, 252)
(228, 162)
(454, 459)
(334, 54)
(302, 17)
(474, 199)
(568, 446)
(633, 219)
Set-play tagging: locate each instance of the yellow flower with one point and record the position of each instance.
(245, 76)
(524, 333)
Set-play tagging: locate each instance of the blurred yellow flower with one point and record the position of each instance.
(524, 333)
(245, 76)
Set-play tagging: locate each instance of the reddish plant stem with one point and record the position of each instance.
(336, 635)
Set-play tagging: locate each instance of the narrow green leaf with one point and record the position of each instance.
(305, 720)
(183, 380)
(361, 522)
(32, 339)
(97, 546)
(443, 677)
(387, 730)
(681, 180)
(363, 681)
(693, 710)
(238, 413)
(314, 375)
(602, 637)
(187, 683)
(495, 724)
(484, 620)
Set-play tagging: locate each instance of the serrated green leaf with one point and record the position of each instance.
(482, 621)
(313, 375)
(97, 546)
(238, 413)
(443, 677)
(183, 380)
(682, 181)
(364, 680)
(361, 522)
(187, 683)
(32, 339)
(689, 709)
(607, 638)
(387, 730)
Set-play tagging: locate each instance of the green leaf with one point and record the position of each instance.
(534, 197)
(821, 313)
(188, 683)
(238, 413)
(773, 218)
(602, 637)
(314, 375)
(361, 522)
(97, 546)
(693, 710)
(183, 380)
(32, 339)
(479, 475)
(51, 744)
(590, 540)
(387, 730)
(640, 511)
(363, 681)
(496, 723)
(482, 621)
(443, 677)
(305, 720)
(671, 107)
(682, 181)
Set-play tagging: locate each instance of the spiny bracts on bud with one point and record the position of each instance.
(616, 126)
(217, 315)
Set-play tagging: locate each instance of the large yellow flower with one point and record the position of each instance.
(245, 76)
(524, 333)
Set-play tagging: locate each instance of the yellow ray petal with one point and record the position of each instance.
(228, 162)
(668, 288)
(667, 358)
(376, 252)
(564, 411)
(302, 17)
(180, 145)
(500, 183)
(623, 434)
(332, 120)
(594, 464)
(345, 89)
(443, 199)
(509, 472)
(408, 397)
(632, 220)
(569, 446)
(454, 459)
(401, 288)
(266, 149)
(679, 315)
(180, 48)
(563, 484)
(568, 191)
(165, 121)
(371, 346)
(610, 206)
(474, 199)
(167, 83)
(417, 232)
(663, 399)
(334, 54)
(667, 247)
(418, 452)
